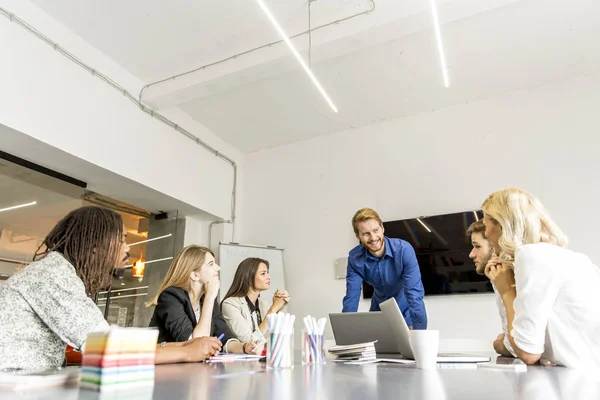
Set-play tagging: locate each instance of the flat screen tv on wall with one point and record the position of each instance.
(442, 248)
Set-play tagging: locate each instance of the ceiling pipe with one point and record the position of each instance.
(210, 229)
(160, 117)
(142, 107)
(212, 64)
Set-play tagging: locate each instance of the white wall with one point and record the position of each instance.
(48, 97)
(196, 231)
(302, 196)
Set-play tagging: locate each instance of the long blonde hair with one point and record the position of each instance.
(523, 219)
(189, 259)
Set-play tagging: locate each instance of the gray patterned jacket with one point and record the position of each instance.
(42, 309)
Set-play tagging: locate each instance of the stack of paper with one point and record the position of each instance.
(120, 358)
(354, 352)
(227, 357)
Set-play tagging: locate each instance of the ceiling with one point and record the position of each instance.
(376, 67)
(154, 39)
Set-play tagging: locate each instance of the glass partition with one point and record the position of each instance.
(33, 200)
(152, 250)
(31, 203)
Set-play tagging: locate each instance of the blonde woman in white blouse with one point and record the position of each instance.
(550, 293)
(244, 311)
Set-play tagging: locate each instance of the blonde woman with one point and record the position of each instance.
(555, 315)
(186, 302)
(244, 311)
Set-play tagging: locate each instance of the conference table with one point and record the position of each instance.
(251, 380)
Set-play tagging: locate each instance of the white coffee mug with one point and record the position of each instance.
(425, 346)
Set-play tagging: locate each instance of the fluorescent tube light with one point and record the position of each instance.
(121, 290)
(287, 41)
(113, 297)
(18, 206)
(424, 226)
(151, 261)
(151, 240)
(438, 37)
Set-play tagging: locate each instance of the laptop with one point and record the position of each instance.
(363, 327)
(401, 333)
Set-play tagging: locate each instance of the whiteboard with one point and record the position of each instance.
(232, 254)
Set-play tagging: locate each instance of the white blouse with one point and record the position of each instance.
(556, 308)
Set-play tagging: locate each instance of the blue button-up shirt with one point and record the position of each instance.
(396, 274)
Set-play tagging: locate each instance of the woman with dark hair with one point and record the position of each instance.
(48, 305)
(244, 311)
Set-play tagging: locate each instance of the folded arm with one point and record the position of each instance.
(528, 358)
(500, 348)
(527, 314)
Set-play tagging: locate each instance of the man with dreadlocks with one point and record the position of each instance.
(49, 305)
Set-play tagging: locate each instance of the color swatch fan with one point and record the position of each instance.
(119, 358)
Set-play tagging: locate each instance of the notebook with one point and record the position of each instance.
(355, 352)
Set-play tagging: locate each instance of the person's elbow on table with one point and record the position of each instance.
(528, 358)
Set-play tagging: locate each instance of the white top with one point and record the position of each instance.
(239, 320)
(197, 314)
(503, 321)
(557, 306)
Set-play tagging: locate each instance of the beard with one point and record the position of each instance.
(372, 247)
(480, 269)
(123, 262)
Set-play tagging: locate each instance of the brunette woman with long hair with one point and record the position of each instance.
(244, 311)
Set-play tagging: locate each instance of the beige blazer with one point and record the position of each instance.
(238, 319)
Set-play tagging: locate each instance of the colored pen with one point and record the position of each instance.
(221, 336)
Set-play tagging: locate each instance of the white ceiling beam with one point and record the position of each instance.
(391, 20)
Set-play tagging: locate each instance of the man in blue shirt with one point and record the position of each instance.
(389, 265)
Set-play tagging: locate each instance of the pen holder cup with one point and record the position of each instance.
(280, 350)
(313, 349)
